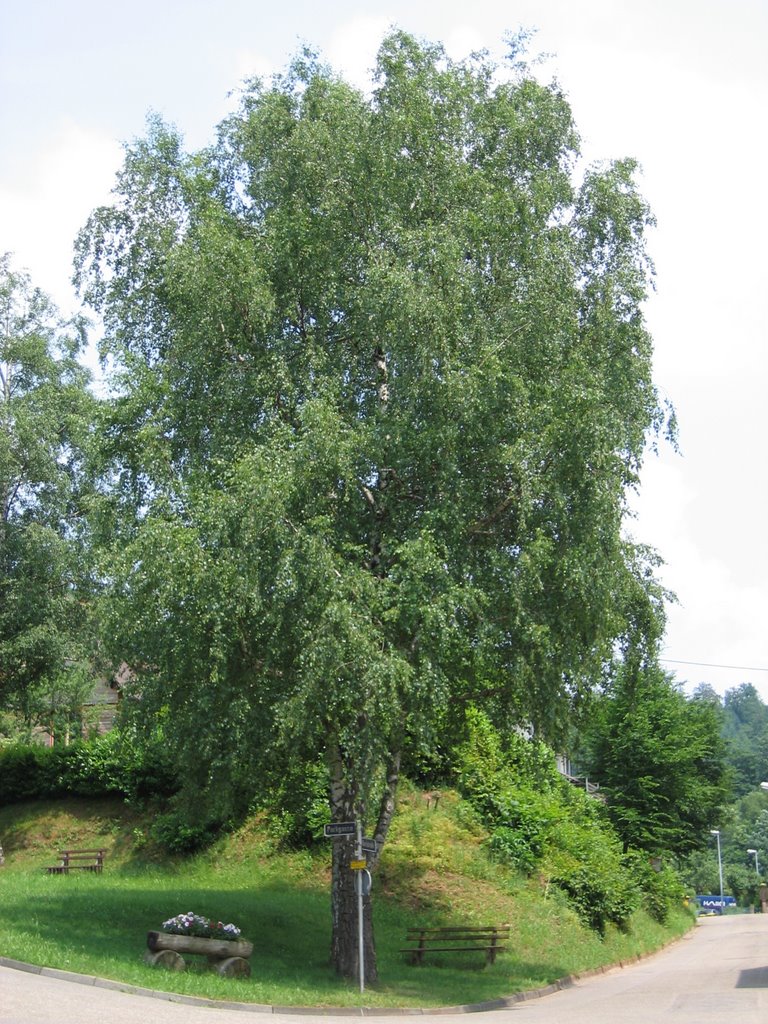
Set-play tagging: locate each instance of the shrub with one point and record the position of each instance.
(297, 802)
(520, 821)
(587, 864)
(175, 833)
(105, 766)
(27, 773)
(660, 888)
(538, 821)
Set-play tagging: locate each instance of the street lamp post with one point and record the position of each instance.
(716, 832)
(757, 862)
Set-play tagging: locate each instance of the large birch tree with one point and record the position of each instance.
(382, 385)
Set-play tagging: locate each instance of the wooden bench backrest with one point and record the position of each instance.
(479, 931)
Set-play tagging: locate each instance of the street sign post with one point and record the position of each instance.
(359, 884)
(337, 829)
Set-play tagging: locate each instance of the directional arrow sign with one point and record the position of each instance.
(339, 828)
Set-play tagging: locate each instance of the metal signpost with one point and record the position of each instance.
(360, 860)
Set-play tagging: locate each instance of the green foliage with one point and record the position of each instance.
(745, 728)
(98, 767)
(659, 885)
(600, 892)
(382, 381)
(56, 703)
(487, 761)
(528, 818)
(511, 782)
(296, 799)
(660, 759)
(539, 823)
(585, 860)
(26, 774)
(743, 824)
(46, 413)
(176, 834)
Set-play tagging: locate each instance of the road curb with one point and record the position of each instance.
(502, 1003)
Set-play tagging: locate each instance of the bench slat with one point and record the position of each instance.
(483, 940)
(456, 949)
(465, 928)
(449, 933)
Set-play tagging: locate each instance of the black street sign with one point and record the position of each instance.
(370, 846)
(339, 828)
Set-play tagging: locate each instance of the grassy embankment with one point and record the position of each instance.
(434, 870)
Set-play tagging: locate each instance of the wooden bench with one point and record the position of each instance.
(462, 939)
(78, 860)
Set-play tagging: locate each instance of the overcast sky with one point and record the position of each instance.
(682, 86)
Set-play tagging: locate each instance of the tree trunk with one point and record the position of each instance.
(386, 808)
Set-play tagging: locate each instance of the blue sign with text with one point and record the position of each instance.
(716, 902)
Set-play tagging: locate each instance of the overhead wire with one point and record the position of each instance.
(709, 664)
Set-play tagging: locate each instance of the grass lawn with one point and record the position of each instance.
(433, 871)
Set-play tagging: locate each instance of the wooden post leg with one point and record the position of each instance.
(167, 958)
(234, 967)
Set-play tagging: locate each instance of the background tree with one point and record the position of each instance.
(661, 760)
(745, 727)
(382, 386)
(45, 416)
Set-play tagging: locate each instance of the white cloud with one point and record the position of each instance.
(47, 201)
(353, 47)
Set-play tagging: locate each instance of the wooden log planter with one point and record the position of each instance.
(228, 957)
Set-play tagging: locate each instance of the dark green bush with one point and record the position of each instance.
(520, 821)
(513, 785)
(27, 773)
(177, 834)
(600, 894)
(660, 887)
(105, 766)
(589, 866)
(297, 801)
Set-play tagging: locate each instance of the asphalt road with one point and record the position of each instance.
(716, 975)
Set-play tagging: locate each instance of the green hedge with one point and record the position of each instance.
(105, 766)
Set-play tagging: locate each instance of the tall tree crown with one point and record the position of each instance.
(383, 385)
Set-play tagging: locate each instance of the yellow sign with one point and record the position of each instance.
(358, 865)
